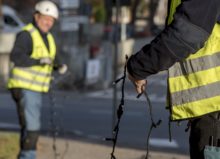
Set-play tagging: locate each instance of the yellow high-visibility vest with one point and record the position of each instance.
(35, 78)
(194, 84)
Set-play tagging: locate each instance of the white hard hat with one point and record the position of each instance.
(47, 8)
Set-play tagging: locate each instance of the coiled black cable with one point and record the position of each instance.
(119, 111)
(153, 123)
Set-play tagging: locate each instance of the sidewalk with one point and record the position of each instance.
(83, 150)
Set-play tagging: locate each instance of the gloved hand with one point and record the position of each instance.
(46, 61)
(63, 69)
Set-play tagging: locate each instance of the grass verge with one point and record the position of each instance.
(8, 145)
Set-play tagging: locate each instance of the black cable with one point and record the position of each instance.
(64, 134)
(53, 124)
(153, 123)
(55, 129)
(119, 111)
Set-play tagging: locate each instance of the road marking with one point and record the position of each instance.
(163, 143)
(77, 132)
(108, 94)
(82, 134)
(9, 126)
(107, 112)
(94, 137)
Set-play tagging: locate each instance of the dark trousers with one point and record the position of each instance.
(201, 130)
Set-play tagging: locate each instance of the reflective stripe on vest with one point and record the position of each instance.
(36, 78)
(194, 83)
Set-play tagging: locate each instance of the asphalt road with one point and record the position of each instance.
(88, 116)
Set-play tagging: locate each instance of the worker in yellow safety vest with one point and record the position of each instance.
(189, 48)
(33, 59)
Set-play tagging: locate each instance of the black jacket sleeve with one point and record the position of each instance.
(22, 50)
(193, 23)
(58, 61)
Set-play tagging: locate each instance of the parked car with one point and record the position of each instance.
(11, 22)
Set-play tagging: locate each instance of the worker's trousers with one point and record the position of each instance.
(202, 129)
(29, 111)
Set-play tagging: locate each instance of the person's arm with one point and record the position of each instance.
(193, 23)
(58, 61)
(22, 50)
(58, 64)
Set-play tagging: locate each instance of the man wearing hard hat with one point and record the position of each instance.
(33, 58)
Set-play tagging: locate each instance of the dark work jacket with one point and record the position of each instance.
(22, 50)
(193, 23)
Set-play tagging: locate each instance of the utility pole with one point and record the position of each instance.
(116, 40)
(1, 16)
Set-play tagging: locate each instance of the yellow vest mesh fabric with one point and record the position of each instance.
(193, 83)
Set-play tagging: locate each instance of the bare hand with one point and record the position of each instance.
(63, 69)
(139, 84)
(46, 61)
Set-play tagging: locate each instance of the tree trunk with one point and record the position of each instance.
(153, 8)
(108, 8)
(134, 10)
(1, 18)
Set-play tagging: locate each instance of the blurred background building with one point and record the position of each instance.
(85, 34)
